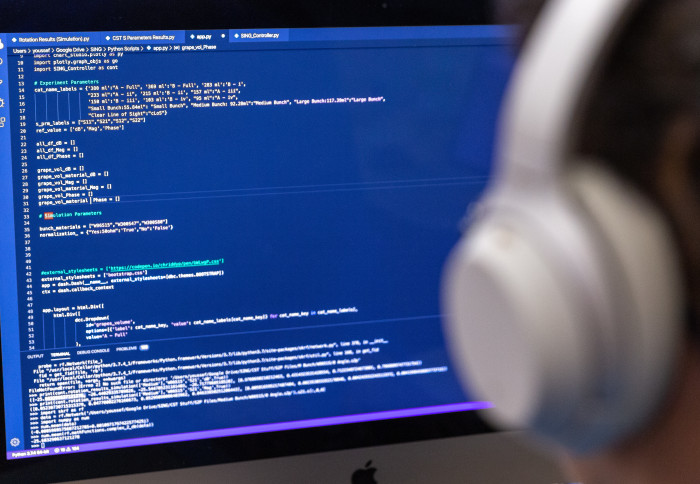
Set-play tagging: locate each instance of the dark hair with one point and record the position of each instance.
(651, 80)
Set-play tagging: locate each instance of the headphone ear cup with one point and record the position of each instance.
(512, 332)
(562, 309)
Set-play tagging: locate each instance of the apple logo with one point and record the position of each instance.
(365, 475)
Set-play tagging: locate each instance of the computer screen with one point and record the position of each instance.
(233, 236)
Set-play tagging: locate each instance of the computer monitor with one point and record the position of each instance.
(222, 240)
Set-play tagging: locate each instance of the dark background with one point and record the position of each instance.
(74, 15)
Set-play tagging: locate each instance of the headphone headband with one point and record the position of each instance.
(558, 65)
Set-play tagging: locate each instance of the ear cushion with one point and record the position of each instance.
(646, 267)
(548, 313)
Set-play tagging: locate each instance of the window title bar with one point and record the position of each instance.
(474, 32)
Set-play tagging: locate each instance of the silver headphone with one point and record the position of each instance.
(563, 300)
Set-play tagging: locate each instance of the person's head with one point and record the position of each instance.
(643, 118)
(640, 122)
